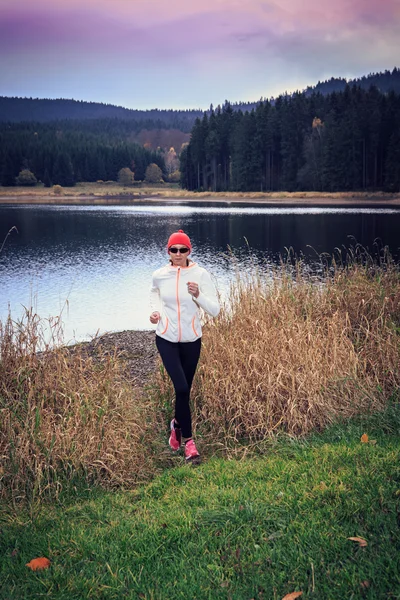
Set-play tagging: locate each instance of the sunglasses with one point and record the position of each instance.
(176, 250)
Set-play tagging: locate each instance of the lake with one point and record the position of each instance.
(93, 264)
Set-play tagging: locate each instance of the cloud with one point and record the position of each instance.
(249, 48)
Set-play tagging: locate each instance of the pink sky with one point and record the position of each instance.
(187, 54)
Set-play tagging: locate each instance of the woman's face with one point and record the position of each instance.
(178, 259)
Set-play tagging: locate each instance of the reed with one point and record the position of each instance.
(65, 415)
(290, 353)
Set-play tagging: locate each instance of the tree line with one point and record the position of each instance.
(342, 141)
(14, 109)
(42, 110)
(66, 152)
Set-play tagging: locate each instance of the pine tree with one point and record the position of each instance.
(392, 167)
(46, 179)
(63, 173)
(9, 171)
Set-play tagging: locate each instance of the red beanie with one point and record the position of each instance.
(179, 238)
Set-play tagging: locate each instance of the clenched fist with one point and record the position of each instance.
(193, 289)
(155, 317)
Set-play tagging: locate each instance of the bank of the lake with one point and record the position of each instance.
(101, 194)
(305, 395)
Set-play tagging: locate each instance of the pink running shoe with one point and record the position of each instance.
(175, 438)
(191, 454)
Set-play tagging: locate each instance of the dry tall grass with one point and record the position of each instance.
(292, 355)
(64, 415)
(288, 353)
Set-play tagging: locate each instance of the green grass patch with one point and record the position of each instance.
(259, 527)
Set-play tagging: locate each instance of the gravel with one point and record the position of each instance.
(136, 349)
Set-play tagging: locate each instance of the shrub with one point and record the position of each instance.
(126, 176)
(175, 177)
(26, 177)
(58, 190)
(153, 174)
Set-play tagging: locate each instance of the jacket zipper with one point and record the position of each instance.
(179, 306)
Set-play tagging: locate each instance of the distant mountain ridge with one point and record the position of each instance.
(14, 110)
(386, 81)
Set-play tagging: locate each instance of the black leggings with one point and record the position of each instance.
(180, 361)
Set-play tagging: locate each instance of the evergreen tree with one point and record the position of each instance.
(9, 171)
(392, 167)
(46, 179)
(63, 173)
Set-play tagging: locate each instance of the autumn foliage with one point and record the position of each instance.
(38, 564)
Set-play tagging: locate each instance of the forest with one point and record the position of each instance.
(66, 152)
(335, 136)
(343, 141)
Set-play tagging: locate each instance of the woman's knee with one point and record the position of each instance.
(182, 391)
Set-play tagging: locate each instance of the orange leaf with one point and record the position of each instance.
(364, 438)
(38, 563)
(362, 542)
(292, 596)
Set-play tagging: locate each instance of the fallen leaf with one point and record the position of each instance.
(364, 438)
(36, 564)
(225, 584)
(361, 541)
(292, 596)
(365, 584)
(373, 442)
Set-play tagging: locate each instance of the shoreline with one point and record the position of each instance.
(136, 350)
(274, 199)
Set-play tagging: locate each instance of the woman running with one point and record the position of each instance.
(179, 291)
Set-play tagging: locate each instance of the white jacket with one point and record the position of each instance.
(180, 311)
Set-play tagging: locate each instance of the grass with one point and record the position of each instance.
(293, 373)
(260, 527)
(107, 191)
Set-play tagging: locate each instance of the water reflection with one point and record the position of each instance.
(95, 262)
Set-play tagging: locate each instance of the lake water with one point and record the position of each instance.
(93, 264)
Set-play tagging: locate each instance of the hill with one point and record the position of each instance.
(44, 110)
(388, 81)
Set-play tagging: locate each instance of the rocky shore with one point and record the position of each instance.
(136, 351)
